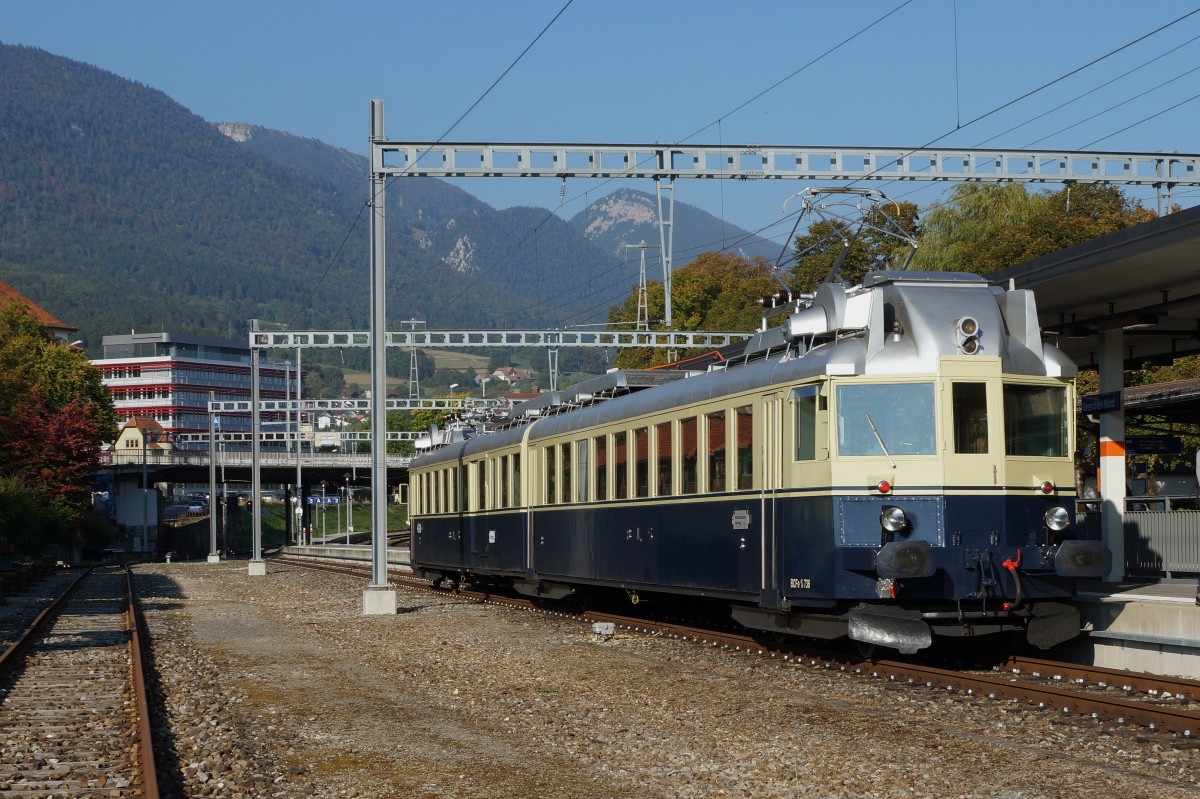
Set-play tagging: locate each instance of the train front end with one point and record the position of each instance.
(944, 433)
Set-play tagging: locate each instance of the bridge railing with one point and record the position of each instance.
(361, 460)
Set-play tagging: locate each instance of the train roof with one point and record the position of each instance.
(893, 324)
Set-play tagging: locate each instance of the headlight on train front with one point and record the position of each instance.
(893, 519)
(1057, 518)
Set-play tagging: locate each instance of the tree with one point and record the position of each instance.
(983, 228)
(55, 414)
(716, 291)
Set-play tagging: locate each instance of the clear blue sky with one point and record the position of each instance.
(657, 71)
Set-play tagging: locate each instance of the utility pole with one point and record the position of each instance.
(643, 313)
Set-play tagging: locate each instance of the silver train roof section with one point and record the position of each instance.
(895, 324)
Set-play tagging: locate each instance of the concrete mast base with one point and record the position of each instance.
(379, 601)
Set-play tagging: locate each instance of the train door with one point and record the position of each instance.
(770, 469)
(480, 532)
(971, 444)
(804, 541)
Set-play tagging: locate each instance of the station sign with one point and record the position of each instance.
(1153, 445)
(330, 500)
(1107, 402)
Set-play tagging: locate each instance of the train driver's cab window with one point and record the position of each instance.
(1035, 421)
(886, 419)
(804, 400)
(970, 418)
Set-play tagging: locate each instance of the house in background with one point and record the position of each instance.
(59, 329)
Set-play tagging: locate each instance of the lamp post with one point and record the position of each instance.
(349, 501)
(452, 387)
(483, 382)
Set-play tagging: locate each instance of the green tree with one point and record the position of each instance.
(716, 291)
(982, 228)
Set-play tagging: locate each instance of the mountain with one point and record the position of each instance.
(122, 210)
(628, 217)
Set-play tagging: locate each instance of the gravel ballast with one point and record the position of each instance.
(279, 686)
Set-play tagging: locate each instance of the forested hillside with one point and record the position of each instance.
(120, 210)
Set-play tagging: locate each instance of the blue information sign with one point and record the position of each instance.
(1153, 445)
(1101, 403)
(330, 500)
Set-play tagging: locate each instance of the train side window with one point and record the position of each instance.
(581, 466)
(745, 446)
(460, 489)
(641, 472)
(566, 474)
(601, 466)
(502, 501)
(516, 466)
(804, 400)
(550, 496)
(621, 472)
(689, 448)
(717, 453)
(970, 418)
(481, 485)
(1035, 421)
(664, 459)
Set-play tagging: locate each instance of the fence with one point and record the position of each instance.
(1162, 544)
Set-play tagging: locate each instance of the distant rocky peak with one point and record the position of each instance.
(621, 208)
(238, 131)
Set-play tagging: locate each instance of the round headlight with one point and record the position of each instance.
(1057, 518)
(893, 519)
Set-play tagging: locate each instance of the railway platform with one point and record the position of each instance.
(1147, 626)
(397, 557)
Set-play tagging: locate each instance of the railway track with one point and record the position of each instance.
(73, 711)
(1159, 704)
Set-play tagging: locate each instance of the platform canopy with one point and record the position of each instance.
(1144, 281)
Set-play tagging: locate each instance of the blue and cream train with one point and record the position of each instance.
(893, 463)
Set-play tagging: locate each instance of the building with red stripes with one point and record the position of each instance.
(168, 376)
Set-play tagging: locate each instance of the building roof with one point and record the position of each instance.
(10, 296)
